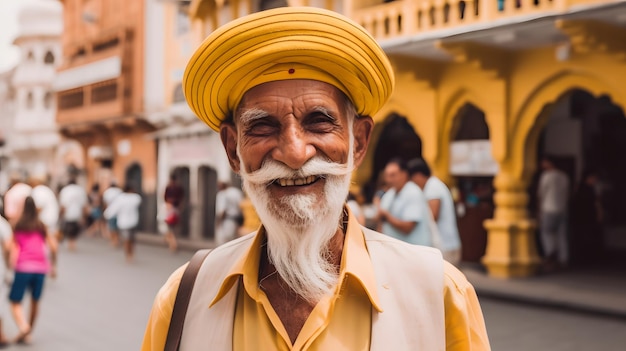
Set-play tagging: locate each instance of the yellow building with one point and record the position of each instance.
(510, 81)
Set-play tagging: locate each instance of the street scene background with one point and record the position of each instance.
(486, 91)
(99, 302)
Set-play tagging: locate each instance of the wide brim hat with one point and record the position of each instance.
(282, 44)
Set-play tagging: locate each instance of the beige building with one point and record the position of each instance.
(101, 96)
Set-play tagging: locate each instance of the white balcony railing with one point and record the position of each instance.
(409, 17)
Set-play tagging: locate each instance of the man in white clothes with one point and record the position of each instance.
(6, 240)
(125, 207)
(403, 208)
(72, 200)
(108, 196)
(228, 212)
(442, 207)
(46, 202)
(553, 195)
(14, 199)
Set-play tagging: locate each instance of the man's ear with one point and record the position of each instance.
(363, 127)
(228, 134)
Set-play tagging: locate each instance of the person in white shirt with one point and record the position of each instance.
(228, 212)
(125, 207)
(73, 200)
(107, 197)
(356, 208)
(6, 238)
(46, 202)
(403, 208)
(14, 199)
(553, 195)
(442, 207)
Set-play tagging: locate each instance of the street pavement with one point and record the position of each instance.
(523, 327)
(100, 302)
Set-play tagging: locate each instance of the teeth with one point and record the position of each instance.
(299, 181)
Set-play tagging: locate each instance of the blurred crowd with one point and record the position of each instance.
(35, 220)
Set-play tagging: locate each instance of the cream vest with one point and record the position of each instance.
(410, 283)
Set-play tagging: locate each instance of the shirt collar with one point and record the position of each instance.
(355, 262)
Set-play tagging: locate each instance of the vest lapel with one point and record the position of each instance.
(410, 288)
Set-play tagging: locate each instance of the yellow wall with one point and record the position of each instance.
(511, 90)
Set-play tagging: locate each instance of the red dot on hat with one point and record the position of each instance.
(292, 71)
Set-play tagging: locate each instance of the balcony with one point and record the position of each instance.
(96, 82)
(93, 102)
(400, 26)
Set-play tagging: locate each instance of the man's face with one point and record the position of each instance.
(395, 176)
(295, 146)
(292, 122)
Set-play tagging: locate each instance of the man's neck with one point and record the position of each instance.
(293, 310)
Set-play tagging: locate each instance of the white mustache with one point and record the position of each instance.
(272, 170)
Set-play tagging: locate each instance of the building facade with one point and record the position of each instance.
(101, 94)
(186, 147)
(7, 114)
(484, 89)
(31, 134)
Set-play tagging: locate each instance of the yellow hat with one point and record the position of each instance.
(281, 44)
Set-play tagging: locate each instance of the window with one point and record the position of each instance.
(178, 96)
(49, 58)
(30, 101)
(47, 100)
(182, 18)
(271, 4)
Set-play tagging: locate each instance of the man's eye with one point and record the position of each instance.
(260, 128)
(321, 121)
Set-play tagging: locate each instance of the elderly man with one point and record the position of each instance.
(291, 91)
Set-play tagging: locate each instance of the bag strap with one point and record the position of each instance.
(175, 331)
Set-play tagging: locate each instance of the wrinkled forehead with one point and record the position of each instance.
(304, 92)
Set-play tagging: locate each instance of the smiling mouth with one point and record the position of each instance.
(284, 182)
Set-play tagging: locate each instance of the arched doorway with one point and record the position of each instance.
(182, 177)
(207, 188)
(397, 138)
(586, 136)
(473, 169)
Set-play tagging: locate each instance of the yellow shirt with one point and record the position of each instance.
(339, 322)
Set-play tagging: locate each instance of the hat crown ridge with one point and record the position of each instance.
(235, 57)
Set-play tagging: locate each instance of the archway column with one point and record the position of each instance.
(511, 249)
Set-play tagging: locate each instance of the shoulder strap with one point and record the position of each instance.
(183, 295)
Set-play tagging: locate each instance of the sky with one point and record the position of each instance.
(9, 10)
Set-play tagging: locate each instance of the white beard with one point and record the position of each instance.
(300, 227)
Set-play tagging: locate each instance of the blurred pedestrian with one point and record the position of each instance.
(125, 208)
(14, 198)
(354, 205)
(95, 221)
(107, 199)
(553, 195)
(6, 240)
(441, 206)
(47, 204)
(403, 208)
(228, 212)
(73, 201)
(29, 255)
(173, 196)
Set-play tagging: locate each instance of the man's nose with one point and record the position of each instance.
(293, 148)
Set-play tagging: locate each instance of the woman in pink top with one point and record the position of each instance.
(29, 258)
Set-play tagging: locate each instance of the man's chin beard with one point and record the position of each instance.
(299, 229)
